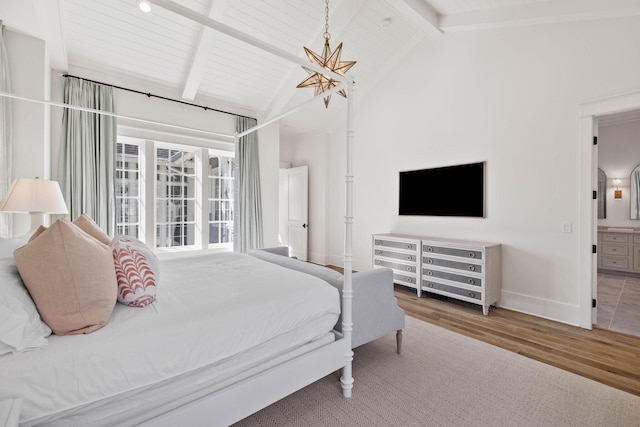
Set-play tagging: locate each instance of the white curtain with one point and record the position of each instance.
(635, 194)
(87, 153)
(6, 224)
(249, 201)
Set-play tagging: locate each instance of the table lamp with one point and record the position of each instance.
(35, 196)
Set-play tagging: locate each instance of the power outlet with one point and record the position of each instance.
(566, 227)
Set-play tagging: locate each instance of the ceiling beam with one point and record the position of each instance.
(342, 14)
(539, 13)
(420, 13)
(245, 38)
(204, 45)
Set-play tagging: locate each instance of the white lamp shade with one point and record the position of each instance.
(34, 195)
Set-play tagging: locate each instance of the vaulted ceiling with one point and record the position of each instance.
(187, 58)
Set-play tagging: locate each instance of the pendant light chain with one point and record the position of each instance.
(327, 36)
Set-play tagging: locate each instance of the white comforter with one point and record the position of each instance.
(211, 310)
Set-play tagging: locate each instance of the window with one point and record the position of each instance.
(188, 192)
(175, 197)
(127, 187)
(221, 190)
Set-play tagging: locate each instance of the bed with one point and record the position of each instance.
(219, 320)
(223, 369)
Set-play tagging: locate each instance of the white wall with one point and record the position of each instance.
(618, 155)
(509, 97)
(30, 77)
(313, 151)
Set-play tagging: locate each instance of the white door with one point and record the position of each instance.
(294, 210)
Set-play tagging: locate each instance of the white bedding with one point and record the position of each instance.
(216, 316)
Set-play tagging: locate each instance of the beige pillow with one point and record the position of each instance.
(71, 278)
(90, 227)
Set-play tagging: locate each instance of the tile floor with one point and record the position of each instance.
(619, 303)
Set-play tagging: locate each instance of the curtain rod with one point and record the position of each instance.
(151, 95)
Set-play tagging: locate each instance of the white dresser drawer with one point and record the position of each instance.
(470, 271)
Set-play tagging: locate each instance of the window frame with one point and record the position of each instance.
(148, 194)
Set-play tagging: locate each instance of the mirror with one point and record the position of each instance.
(634, 191)
(602, 194)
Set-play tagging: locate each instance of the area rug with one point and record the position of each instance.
(447, 379)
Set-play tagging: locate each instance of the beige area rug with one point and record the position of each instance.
(447, 379)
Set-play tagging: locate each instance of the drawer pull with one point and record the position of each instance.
(472, 268)
(472, 282)
(378, 252)
(410, 258)
(430, 285)
(378, 262)
(408, 268)
(409, 281)
(429, 261)
(429, 249)
(472, 294)
(378, 242)
(472, 255)
(409, 246)
(429, 273)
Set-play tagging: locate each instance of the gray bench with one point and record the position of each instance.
(375, 309)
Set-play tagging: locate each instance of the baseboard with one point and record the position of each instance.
(540, 307)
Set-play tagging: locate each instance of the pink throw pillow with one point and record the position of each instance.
(137, 271)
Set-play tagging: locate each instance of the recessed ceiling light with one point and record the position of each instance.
(144, 6)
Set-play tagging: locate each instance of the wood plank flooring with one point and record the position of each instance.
(608, 357)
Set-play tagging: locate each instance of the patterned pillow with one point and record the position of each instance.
(137, 271)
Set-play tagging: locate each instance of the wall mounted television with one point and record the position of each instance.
(445, 191)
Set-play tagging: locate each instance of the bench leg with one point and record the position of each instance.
(399, 341)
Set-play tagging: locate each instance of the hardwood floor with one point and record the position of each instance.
(608, 357)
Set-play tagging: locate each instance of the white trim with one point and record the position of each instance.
(541, 307)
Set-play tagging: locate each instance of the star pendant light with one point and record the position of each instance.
(329, 60)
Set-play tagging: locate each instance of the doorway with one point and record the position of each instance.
(590, 112)
(294, 211)
(618, 278)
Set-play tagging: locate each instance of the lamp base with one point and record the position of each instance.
(37, 219)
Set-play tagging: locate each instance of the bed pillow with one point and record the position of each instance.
(70, 277)
(21, 328)
(90, 227)
(137, 271)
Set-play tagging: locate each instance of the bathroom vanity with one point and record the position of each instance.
(619, 250)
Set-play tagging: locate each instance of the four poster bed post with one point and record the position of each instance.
(347, 291)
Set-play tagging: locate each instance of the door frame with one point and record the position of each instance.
(588, 128)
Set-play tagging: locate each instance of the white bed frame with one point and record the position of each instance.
(248, 396)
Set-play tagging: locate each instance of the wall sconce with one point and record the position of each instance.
(617, 193)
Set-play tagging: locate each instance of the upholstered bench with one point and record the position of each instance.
(375, 309)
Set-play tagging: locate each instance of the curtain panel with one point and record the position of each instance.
(87, 153)
(6, 223)
(249, 200)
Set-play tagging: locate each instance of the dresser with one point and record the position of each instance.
(619, 250)
(465, 270)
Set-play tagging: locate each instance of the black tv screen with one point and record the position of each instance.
(446, 191)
